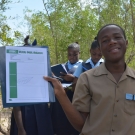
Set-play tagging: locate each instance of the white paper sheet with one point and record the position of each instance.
(65, 85)
(25, 68)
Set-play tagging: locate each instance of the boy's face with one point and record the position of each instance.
(95, 55)
(73, 55)
(112, 43)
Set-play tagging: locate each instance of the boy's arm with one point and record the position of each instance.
(18, 119)
(76, 118)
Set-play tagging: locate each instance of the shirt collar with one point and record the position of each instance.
(130, 72)
(101, 70)
(87, 61)
(95, 65)
(79, 61)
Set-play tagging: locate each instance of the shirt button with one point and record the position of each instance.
(113, 130)
(117, 100)
(115, 115)
(117, 86)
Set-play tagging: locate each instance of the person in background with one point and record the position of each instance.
(73, 52)
(61, 124)
(94, 61)
(26, 41)
(103, 101)
(31, 119)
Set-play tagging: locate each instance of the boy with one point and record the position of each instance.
(103, 101)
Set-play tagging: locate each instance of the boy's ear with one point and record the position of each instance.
(100, 50)
(90, 50)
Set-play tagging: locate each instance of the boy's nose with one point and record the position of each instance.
(71, 56)
(97, 58)
(112, 41)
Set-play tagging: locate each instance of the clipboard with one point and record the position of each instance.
(3, 80)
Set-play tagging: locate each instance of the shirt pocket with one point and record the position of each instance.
(129, 106)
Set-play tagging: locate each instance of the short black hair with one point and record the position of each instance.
(74, 46)
(109, 25)
(27, 38)
(26, 43)
(94, 44)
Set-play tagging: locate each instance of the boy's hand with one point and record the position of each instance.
(58, 89)
(67, 77)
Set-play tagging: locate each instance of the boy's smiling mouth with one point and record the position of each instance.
(114, 49)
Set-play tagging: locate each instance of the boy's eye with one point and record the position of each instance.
(104, 41)
(72, 54)
(75, 54)
(117, 37)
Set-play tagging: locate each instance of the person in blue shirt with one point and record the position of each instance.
(60, 122)
(73, 52)
(94, 61)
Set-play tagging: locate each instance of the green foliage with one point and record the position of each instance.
(63, 23)
(3, 5)
(5, 31)
(67, 21)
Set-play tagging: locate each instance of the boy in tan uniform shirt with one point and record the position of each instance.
(104, 98)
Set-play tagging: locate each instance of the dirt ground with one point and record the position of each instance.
(5, 115)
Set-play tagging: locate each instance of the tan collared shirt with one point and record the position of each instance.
(110, 113)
